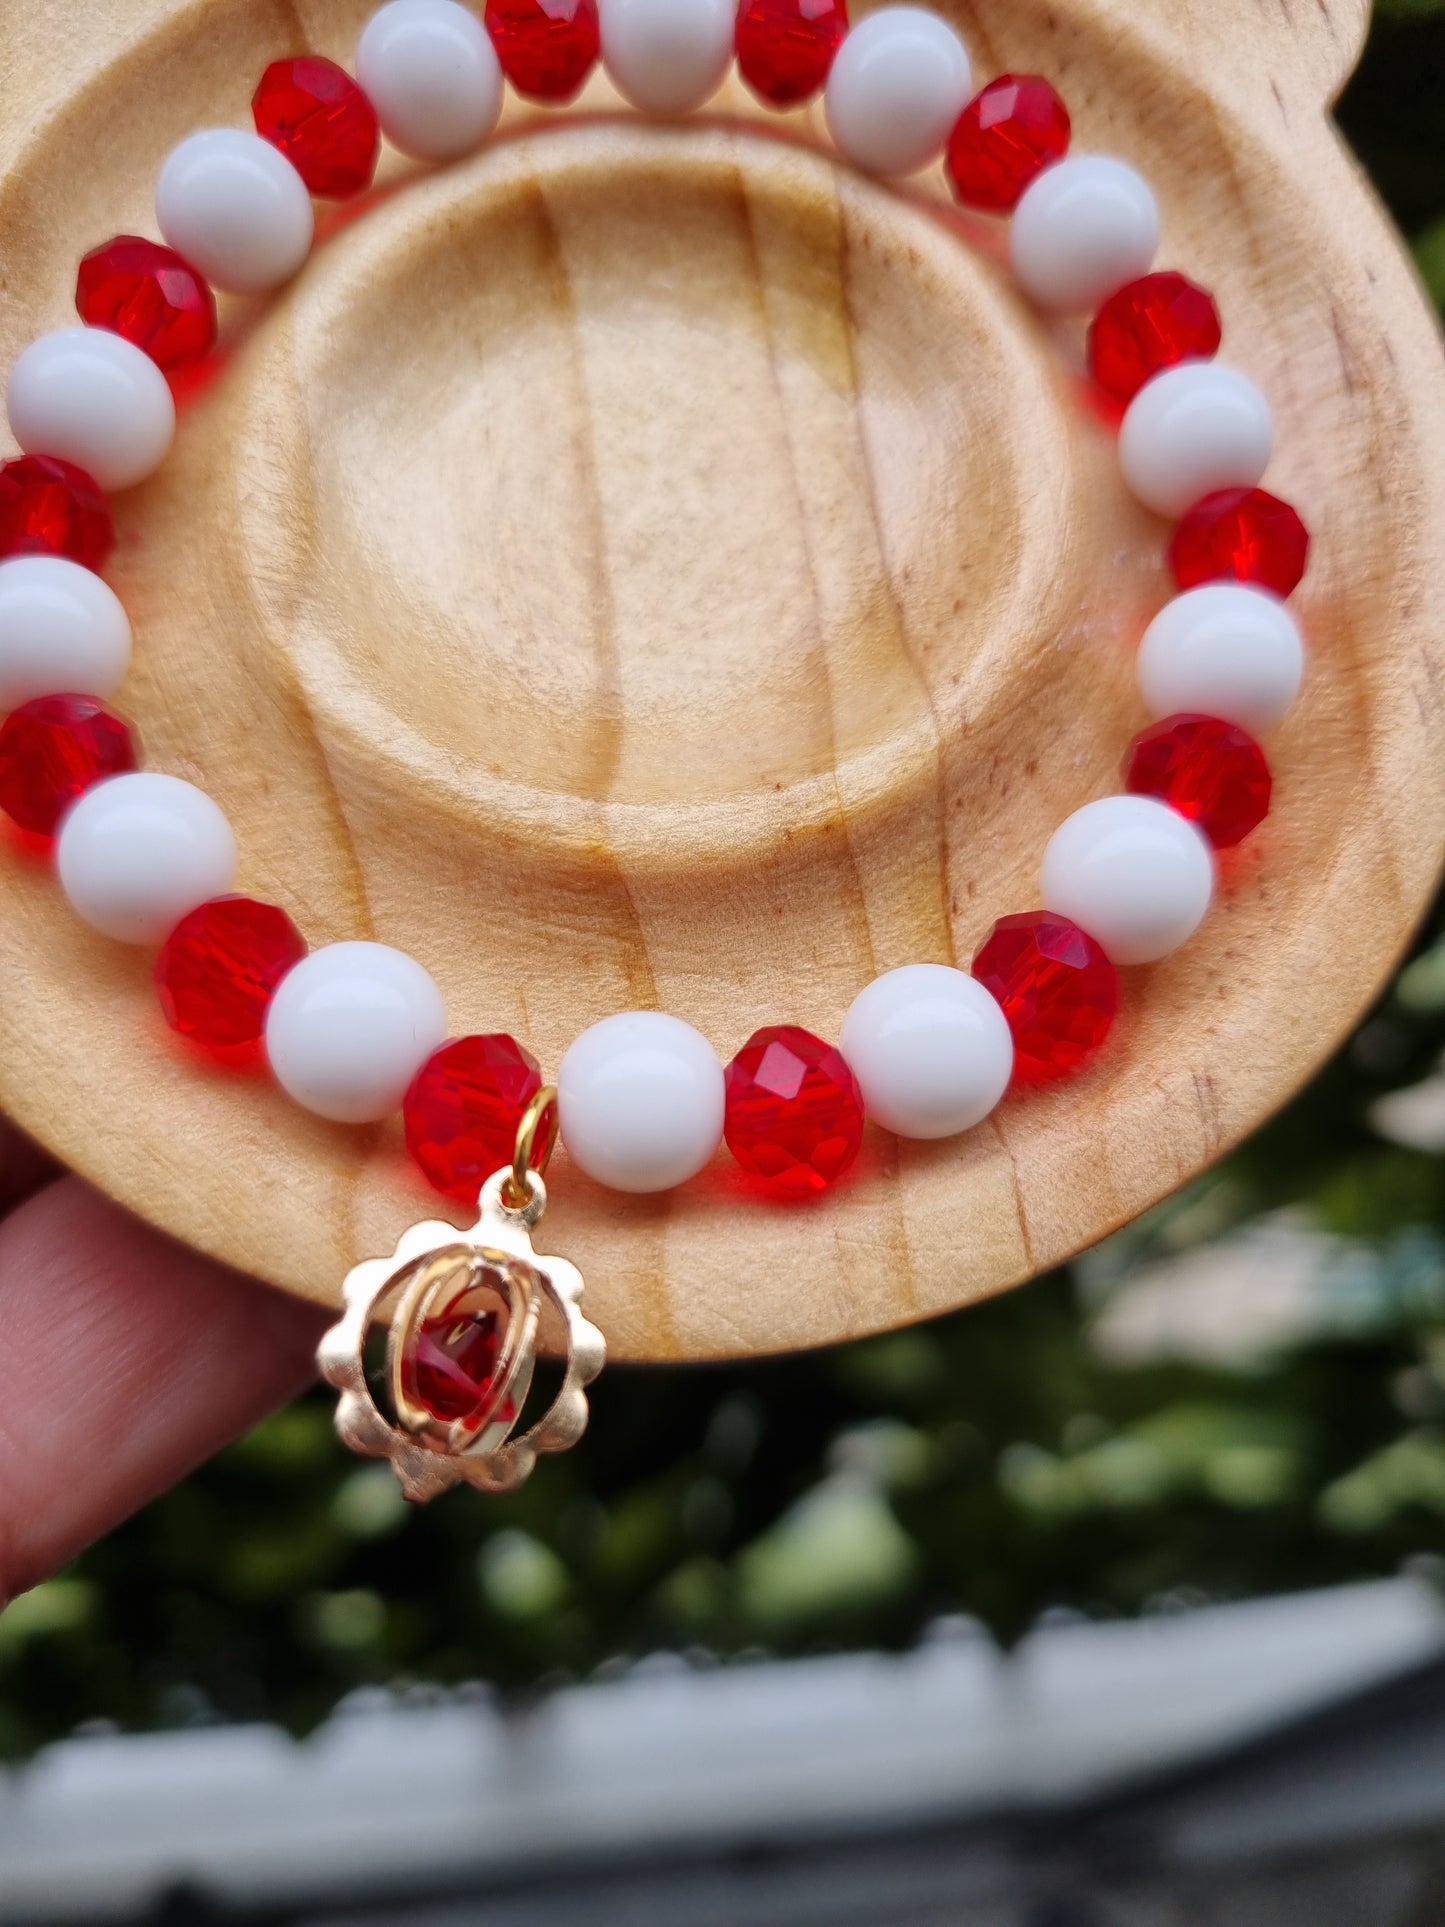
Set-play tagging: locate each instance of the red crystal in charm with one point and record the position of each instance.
(1214, 773)
(1004, 138)
(794, 1111)
(786, 47)
(219, 969)
(1055, 986)
(449, 1368)
(1240, 535)
(1150, 325)
(149, 295)
(51, 507)
(463, 1110)
(547, 47)
(322, 122)
(54, 749)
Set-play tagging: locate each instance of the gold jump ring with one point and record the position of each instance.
(517, 1192)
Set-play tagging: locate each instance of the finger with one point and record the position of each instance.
(24, 1167)
(124, 1361)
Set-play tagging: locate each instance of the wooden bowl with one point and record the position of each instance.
(652, 565)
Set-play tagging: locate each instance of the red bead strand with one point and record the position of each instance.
(1148, 326)
(322, 122)
(220, 967)
(794, 1115)
(54, 749)
(1055, 986)
(1212, 772)
(462, 1111)
(785, 48)
(51, 507)
(148, 294)
(1241, 535)
(1004, 139)
(547, 47)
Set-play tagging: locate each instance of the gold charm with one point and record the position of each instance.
(462, 1346)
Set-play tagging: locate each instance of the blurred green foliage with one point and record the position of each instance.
(1002, 1462)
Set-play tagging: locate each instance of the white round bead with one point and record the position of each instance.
(432, 74)
(898, 84)
(1082, 229)
(236, 208)
(930, 1048)
(640, 1101)
(62, 631)
(667, 56)
(1222, 650)
(139, 852)
(1133, 873)
(1193, 429)
(94, 399)
(350, 1027)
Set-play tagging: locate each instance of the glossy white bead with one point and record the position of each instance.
(1193, 429)
(236, 208)
(899, 82)
(139, 852)
(640, 1101)
(930, 1048)
(1133, 873)
(62, 631)
(1082, 229)
(431, 72)
(667, 56)
(94, 399)
(350, 1027)
(1222, 650)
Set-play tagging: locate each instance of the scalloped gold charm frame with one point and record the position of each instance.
(427, 1456)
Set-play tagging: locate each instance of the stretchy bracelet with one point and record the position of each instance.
(354, 1031)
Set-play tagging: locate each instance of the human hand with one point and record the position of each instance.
(125, 1359)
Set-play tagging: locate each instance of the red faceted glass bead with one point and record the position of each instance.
(1240, 535)
(786, 47)
(322, 122)
(1004, 138)
(51, 507)
(219, 969)
(1055, 986)
(1214, 773)
(51, 751)
(547, 47)
(449, 1368)
(148, 294)
(1150, 325)
(463, 1109)
(794, 1113)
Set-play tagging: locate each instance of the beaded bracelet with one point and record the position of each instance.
(355, 1030)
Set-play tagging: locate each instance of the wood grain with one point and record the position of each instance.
(652, 565)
